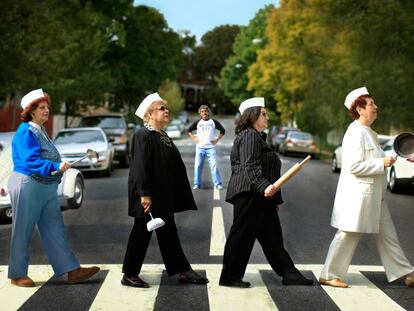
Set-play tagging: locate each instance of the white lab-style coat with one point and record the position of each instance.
(362, 182)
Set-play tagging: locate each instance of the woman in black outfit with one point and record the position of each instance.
(158, 183)
(254, 166)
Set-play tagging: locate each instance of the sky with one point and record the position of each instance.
(200, 16)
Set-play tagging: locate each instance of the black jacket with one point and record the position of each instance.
(158, 171)
(254, 166)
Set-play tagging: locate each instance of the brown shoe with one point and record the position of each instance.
(409, 280)
(333, 282)
(23, 282)
(81, 274)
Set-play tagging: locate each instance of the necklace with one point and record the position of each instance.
(164, 137)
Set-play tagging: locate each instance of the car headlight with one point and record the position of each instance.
(102, 155)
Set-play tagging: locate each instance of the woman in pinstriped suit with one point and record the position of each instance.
(254, 166)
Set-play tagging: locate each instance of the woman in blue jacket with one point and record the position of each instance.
(33, 195)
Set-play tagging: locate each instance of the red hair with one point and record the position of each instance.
(361, 102)
(25, 115)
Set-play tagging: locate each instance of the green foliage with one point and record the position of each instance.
(170, 91)
(59, 47)
(152, 53)
(209, 58)
(319, 50)
(233, 77)
(86, 52)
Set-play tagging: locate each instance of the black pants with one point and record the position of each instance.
(171, 251)
(254, 218)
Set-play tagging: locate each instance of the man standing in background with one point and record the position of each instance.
(206, 146)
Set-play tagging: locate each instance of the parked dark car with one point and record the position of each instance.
(117, 130)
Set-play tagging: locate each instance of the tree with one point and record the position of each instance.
(152, 53)
(233, 77)
(170, 91)
(59, 48)
(210, 58)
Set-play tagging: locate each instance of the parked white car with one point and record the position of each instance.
(72, 144)
(173, 131)
(336, 161)
(401, 175)
(70, 190)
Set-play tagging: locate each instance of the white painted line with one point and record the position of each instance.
(13, 297)
(115, 296)
(216, 194)
(218, 235)
(255, 298)
(360, 295)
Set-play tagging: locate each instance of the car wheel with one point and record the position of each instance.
(393, 184)
(7, 213)
(76, 201)
(334, 165)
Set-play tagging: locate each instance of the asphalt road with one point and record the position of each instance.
(99, 230)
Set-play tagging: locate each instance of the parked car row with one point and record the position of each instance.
(118, 131)
(178, 126)
(72, 144)
(291, 140)
(399, 177)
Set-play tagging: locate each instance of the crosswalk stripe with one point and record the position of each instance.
(216, 194)
(218, 234)
(363, 294)
(226, 298)
(13, 297)
(114, 296)
(360, 294)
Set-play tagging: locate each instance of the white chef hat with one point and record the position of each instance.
(350, 98)
(251, 102)
(142, 108)
(33, 96)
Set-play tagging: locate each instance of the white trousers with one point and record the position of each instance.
(343, 246)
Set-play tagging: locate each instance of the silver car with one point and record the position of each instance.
(70, 190)
(298, 142)
(72, 144)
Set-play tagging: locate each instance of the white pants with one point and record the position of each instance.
(343, 246)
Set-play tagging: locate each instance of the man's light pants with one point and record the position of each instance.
(200, 155)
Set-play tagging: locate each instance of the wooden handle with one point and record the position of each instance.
(290, 173)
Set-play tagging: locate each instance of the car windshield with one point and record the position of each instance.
(79, 137)
(103, 122)
(300, 135)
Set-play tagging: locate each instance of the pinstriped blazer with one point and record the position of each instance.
(254, 166)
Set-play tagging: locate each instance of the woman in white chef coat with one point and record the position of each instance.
(359, 205)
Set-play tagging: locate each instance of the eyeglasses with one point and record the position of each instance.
(264, 114)
(162, 108)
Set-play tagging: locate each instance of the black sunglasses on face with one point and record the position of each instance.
(162, 108)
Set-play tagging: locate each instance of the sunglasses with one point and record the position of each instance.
(264, 114)
(162, 108)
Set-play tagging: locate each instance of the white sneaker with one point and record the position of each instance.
(219, 187)
(196, 187)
